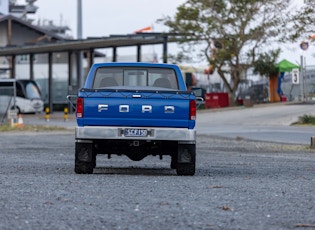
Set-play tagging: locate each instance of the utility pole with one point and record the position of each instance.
(302, 79)
(79, 36)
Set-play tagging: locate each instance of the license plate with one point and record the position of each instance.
(136, 132)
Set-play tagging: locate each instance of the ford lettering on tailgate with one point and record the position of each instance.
(136, 132)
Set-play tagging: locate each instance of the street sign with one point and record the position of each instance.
(304, 45)
(295, 76)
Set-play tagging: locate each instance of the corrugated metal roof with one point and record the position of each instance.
(90, 43)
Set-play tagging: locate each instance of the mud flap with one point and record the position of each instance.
(186, 153)
(83, 151)
(186, 162)
(83, 157)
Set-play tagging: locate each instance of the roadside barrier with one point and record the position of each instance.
(65, 114)
(47, 114)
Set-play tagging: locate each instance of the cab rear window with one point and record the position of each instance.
(135, 77)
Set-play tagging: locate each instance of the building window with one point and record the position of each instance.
(25, 58)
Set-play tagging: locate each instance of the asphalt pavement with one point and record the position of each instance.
(273, 122)
(238, 184)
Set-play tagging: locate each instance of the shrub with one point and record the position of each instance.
(307, 119)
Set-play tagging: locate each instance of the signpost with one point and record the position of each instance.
(302, 79)
(295, 76)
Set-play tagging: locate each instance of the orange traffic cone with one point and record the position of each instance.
(20, 121)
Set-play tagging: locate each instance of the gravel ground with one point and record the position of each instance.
(238, 185)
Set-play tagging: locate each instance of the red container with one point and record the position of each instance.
(283, 98)
(216, 100)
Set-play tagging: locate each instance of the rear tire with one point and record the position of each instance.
(186, 170)
(84, 162)
(186, 162)
(83, 167)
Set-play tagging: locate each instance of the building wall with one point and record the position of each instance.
(22, 34)
(3, 42)
(3, 34)
(4, 6)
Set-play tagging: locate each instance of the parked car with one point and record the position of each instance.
(22, 95)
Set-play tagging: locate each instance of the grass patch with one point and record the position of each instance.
(32, 128)
(307, 119)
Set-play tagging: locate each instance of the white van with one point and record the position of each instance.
(28, 96)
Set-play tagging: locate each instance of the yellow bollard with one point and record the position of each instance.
(65, 114)
(47, 114)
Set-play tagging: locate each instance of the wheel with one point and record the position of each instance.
(84, 162)
(185, 170)
(83, 167)
(186, 163)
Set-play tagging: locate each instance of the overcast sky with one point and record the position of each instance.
(105, 17)
(108, 17)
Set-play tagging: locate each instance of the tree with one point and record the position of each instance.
(301, 23)
(265, 64)
(235, 32)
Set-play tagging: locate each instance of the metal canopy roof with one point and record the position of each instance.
(90, 43)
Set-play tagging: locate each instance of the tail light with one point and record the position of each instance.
(80, 106)
(192, 110)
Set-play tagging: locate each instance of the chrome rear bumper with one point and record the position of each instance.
(112, 132)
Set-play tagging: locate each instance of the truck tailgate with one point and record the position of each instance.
(137, 109)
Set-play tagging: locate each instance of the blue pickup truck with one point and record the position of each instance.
(135, 109)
